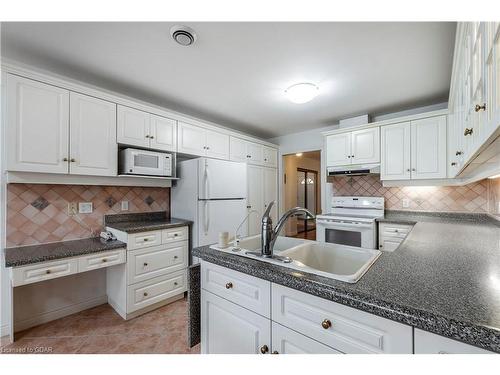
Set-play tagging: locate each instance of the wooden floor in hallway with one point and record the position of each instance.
(101, 330)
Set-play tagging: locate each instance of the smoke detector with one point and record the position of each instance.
(183, 35)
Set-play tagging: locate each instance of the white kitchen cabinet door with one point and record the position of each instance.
(93, 147)
(338, 149)
(286, 341)
(428, 148)
(270, 157)
(227, 328)
(191, 139)
(37, 126)
(271, 191)
(163, 133)
(255, 153)
(238, 149)
(365, 148)
(430, 343)
(395, 161)
(217, 145)
(132, 127)
(255, 199)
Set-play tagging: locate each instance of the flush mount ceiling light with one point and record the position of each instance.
(183, 35)
(302, 92)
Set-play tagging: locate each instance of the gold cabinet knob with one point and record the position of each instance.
(468, 131)
(145, 294)
(175, 257)
(147, 136)
(264, 349)
(65, 159)
(145, 264)
(458, 153)
(276, 352)
(176, 283)
(229, 285)
(104, 260)
(326, 324)
(146, 239)
(453, 163)
(72, 160)
(151, 137)
(478, 107)
(47, 272)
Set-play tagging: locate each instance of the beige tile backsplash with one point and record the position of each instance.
(475, 197)
(37, 213)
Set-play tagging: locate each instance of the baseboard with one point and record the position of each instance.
(56, 314)
(4, 330)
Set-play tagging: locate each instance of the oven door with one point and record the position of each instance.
(148, 163)
(350, 233)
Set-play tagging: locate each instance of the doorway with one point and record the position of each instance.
(301, 187)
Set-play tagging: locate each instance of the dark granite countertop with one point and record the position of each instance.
(143, 222)
(21, 256)
(444, 278)
(413, 217)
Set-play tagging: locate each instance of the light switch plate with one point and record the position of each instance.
(124, 205)
(406, 203)
(85, 207)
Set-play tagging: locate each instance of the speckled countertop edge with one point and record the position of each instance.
(27, 255)
(143, 221)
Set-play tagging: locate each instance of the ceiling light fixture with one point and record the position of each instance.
(302, 92)
(183, 35)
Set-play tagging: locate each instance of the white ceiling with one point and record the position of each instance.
(235, 73)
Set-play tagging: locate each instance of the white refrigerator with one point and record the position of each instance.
(213, 194)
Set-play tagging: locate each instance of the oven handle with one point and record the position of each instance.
(343, 225)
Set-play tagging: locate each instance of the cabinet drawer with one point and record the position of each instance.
(430, 343)
(155, 261)
(44, 271)
(148, 292)
(287, 341)
(393, 230)
(345, 329)
(242, 289)
(144, 239)
(174, 234)
(101, 260)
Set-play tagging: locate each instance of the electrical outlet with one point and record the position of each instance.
(85, 207)
(72, 208)
(124, 205)
(406, 203)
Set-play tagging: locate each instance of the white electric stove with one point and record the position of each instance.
(351, 221)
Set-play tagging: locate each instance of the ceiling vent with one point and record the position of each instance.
(183, 35)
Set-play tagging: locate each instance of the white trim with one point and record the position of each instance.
(86, 89)
(53, 315)
(395, 120)
(68, 179)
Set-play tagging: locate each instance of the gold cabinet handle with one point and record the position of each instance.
(229, 285)
(65, 159)
(147, 136)
(264, 349)
(146, 239)
(453, 163)
(458, 153)
(468, 131)
(145, 264)
(151, 137)
(72, 160)
(326, 324)
(478, 107)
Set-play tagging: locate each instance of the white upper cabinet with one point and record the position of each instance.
(163, 133)
(143, 129)
(365, 147)
(270, 157)
(133, 127)
(356, 147)
(37, 126)
(395, 153)
(199, 141)
(338, 149)
(93, 147)
(428, 148)
(414, 150)
(217, 145)
(271, 191)
(255, 198)
(253, 153)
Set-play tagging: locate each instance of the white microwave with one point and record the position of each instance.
(145, 163)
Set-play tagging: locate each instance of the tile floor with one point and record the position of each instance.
(101, 330)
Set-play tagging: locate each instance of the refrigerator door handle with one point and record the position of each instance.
(207, 184)
(205, 217)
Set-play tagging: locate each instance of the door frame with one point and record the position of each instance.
(306, 171)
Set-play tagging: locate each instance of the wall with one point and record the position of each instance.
(37, 213)
(474, 197)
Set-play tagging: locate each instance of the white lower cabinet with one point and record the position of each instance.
(430, 343)
(227, 328)
(390, 235)
(287, 341)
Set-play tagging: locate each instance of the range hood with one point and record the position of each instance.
(354, 170)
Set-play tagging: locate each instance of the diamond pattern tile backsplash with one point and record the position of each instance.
(37, 213)
(475, 197)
